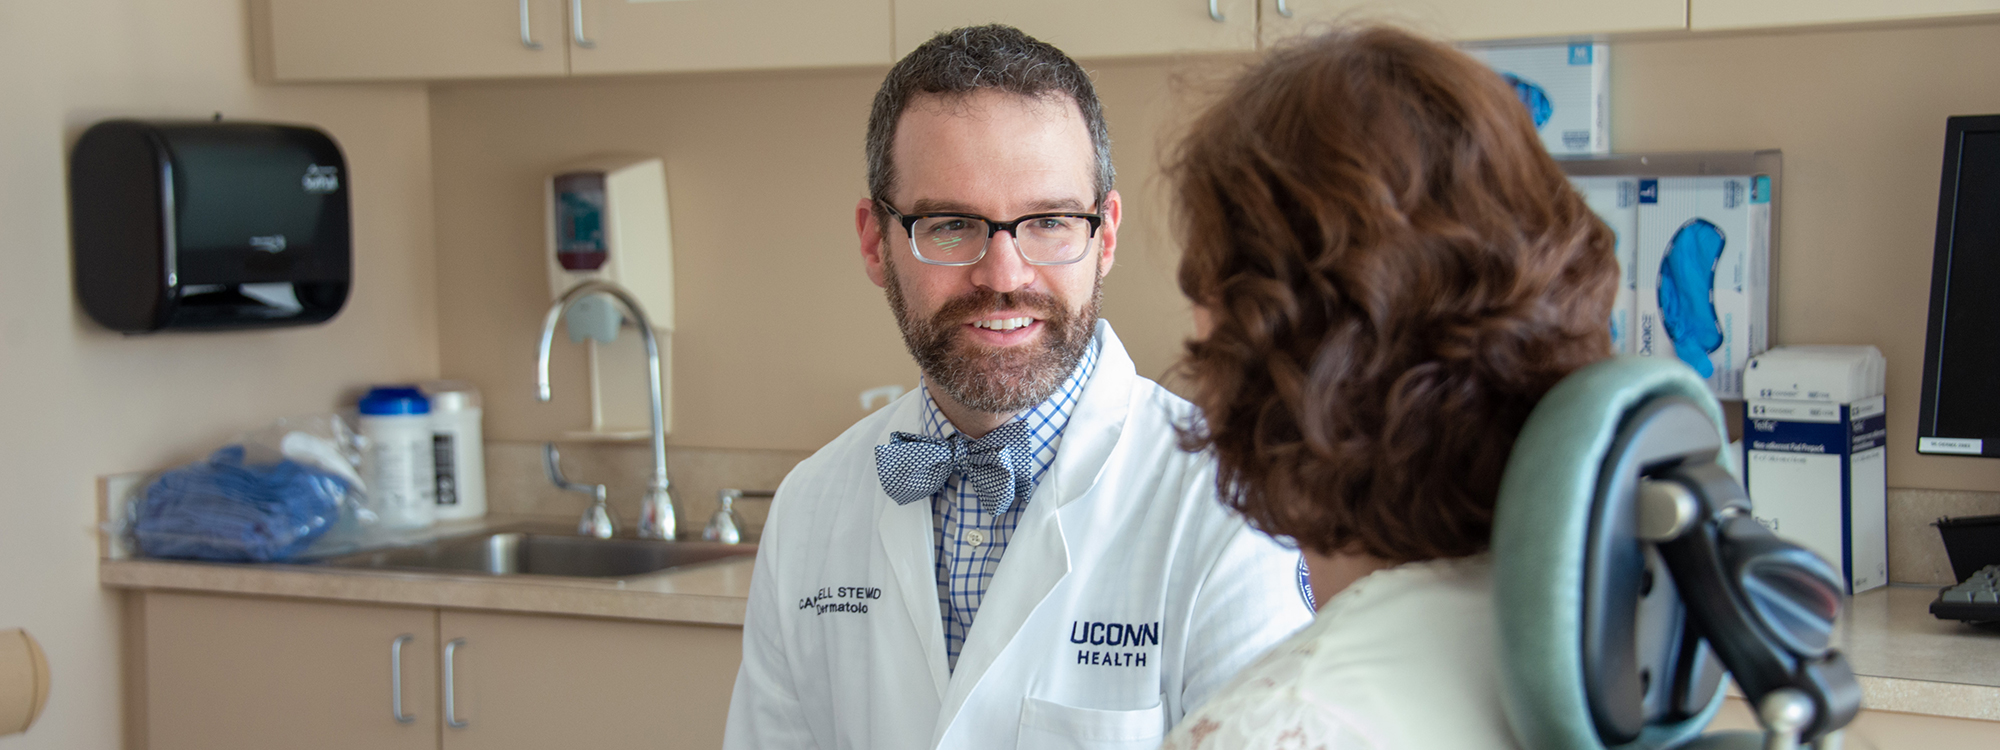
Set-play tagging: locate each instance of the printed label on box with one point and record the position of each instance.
(1566, 88)
(1815, 474)
(1615, 201)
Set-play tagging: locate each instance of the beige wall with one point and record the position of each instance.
(1860, 116)
(779, 329)
(77, 401)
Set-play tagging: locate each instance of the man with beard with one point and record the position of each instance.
(1018, 553)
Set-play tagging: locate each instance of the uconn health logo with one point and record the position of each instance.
(1114, 635)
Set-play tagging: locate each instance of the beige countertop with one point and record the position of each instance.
(1907, 660)
(709, 593)
(1912, 662)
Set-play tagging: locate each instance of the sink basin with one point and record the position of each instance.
(545, 553)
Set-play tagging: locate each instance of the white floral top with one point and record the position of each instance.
(1404, 658)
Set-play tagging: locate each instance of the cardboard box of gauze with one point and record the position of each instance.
(1815, 435)
(1704, 265)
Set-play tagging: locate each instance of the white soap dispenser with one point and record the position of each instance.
(608, 221)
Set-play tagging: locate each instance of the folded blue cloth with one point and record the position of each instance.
(221, 509)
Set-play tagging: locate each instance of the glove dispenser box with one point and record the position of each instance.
(208, 225)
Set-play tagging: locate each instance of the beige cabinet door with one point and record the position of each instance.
(341, 40)
(219, 672)
(535, 682)
(1093, 28)
(659, 36)
(1469, 20)
(1741, 14)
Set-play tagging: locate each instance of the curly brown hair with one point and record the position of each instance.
(1395, 272)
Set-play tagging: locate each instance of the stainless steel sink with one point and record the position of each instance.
(546, 553)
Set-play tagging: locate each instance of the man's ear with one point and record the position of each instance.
(1113, 209)
(870, 232)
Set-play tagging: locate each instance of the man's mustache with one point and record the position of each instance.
(966, 307)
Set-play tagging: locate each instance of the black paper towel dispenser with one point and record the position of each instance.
(208, 225)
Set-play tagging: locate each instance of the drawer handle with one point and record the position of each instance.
(450, 698)
(1214, 12)
(396, 679)
(576, 25)
(1282, 9)
(528, 32)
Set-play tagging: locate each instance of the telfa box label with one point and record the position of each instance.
(1816, 473)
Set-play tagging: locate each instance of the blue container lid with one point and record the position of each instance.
(393, 400)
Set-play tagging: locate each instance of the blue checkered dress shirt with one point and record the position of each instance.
(968, 541)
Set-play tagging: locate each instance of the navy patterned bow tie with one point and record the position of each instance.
(1001, 465)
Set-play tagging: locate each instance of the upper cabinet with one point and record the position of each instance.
(652, 36)
(348, 40)
(353, 40)
(1470, 20)
(1093, 29)
(1744, 14)
(359, 40)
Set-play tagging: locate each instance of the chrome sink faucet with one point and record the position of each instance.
(596, 519)
(656, 510)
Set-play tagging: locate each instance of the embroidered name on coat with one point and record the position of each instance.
(852, 599)
(1130, 635)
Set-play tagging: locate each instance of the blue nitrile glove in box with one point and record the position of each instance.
(222, 509)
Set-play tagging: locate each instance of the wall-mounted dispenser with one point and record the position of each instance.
(208, 225)
(608, 222)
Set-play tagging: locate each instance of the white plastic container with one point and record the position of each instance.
(458, 450)
(396, 421)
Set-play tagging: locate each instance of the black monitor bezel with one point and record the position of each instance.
(1956, 127)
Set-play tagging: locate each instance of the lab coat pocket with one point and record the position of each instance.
(1053, 726)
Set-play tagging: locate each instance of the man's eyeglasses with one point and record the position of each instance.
(956, 239)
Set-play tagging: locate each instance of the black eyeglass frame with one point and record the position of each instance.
(993, 227)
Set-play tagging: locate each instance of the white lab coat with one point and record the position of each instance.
(1126, 597)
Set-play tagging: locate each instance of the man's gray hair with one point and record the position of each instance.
(965, 60)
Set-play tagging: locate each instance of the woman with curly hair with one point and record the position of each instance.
(1388, 273)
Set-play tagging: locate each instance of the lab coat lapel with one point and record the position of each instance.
(1037, 556)
(1098, 424)
(906, 536)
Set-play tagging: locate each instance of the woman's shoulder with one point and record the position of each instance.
(1273, 703)
(1398, 646)
(1272, 724)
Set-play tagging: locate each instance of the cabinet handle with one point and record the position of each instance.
(528, 32)
(450, 698)
(1214, 11)
(577, 25)
(1282, 9)
(396, 679)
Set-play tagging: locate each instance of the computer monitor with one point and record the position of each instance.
(1961, 400)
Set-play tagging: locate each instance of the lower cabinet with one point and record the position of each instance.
(220, 672)
(545, 682)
